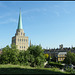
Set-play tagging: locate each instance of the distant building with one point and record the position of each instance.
(61, 56)
(58, 54)
(20, 39)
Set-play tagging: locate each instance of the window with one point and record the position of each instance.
(58, 55)
(24, 46)
(24, 39)
(61, 55)
(60, 58)
(20, 39)
(21, 33)
(20, 46)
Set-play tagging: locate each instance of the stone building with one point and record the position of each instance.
(61, 56)
(20, 40)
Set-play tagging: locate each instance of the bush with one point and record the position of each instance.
(55, 64)
(72, 71)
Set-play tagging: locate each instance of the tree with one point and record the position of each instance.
(23, 57)
(4, 58)
(46, 56)
(9, 55)
(36, 55)
(70, 58)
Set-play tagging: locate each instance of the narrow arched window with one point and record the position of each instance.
(24, 40)
(18, 39)
(21, 33)
(20, 46)
(24, 46)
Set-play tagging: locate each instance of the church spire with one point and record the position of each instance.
(20, 21)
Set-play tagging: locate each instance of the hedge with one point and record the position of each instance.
(55, 64)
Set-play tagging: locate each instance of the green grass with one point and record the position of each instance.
(17, 69)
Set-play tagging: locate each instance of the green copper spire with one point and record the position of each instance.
(20, 21)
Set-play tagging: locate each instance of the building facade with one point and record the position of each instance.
(61, 56)
(57, 55)
(20, 40)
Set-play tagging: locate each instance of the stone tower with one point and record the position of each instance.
(20, 40)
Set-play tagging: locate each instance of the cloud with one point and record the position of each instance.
(31, 10)
(66, 11)
(44, 9)
(56, 6)
(9, 21)
(13, 20)
(5, 15)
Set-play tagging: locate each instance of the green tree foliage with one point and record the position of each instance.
(70, 58)
(36, 55)
(4, 58)
(9, 55)
(46, 56)
(23, 57)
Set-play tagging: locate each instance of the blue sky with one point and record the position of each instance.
(49, 23)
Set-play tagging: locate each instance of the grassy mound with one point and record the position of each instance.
(17, 69)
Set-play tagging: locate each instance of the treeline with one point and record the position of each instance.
(33, 56)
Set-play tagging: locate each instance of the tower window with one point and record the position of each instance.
(21, 33)
(24, 46)
(20, 39)
(20, 46)
(24, 39)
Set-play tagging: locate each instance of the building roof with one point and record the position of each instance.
(62, 53)
(20, 21)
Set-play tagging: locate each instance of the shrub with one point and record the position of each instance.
(55, 64)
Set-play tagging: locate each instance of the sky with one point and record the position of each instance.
(49, 23)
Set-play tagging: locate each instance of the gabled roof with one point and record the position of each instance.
(62, 53)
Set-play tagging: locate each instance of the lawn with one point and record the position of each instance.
(17, 69)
